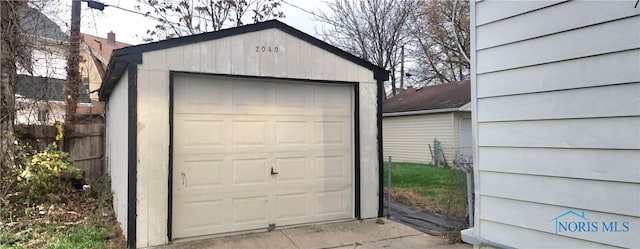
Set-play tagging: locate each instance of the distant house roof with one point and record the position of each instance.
(34, 22)
(44, 89)
(102, 46)
(437, 98)
(100, 49)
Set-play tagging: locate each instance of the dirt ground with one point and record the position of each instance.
(39, 225)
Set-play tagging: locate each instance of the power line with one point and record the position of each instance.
(300, 8)
(100, 6)
(95, 25)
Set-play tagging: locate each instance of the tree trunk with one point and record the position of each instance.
(9, 42)
(392, 79)
(72, 86)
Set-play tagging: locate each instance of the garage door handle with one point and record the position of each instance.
(184, 178)
(273, 172)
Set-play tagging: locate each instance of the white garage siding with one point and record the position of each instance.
(236, 55)
(556, 117)
(117, 150)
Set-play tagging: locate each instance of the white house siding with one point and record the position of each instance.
(555, 89)
(457, 119)
(236, 55)
(407, 138)
(27, 111)
(117, 148)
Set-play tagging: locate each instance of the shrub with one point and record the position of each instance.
(41, 175)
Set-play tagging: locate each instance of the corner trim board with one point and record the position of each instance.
(380, 95)
(170, 176)
(132, 160)
(356, 149)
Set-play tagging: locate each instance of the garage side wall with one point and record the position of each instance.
(117, 149)
(237, 55)
(557, 119)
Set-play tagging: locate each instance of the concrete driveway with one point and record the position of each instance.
(348, 234)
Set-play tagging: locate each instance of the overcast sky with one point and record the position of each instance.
(127, 25)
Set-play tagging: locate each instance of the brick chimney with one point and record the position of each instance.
(111, 38)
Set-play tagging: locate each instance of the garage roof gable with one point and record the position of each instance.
(121, 58)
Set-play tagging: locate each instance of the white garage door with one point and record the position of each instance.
(248, 153)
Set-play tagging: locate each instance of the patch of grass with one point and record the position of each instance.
(423, 179)
(82, 237)
(440, 190)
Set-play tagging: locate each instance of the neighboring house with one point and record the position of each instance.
(40, 85)
(96, 52)
(248, 128)
(413, 118)
(40, 100)
(40, 88)
(556, 110)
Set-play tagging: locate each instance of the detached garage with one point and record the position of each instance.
(249, 128)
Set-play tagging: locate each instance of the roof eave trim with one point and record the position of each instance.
(118, 64)
(379, 73)
(466, 107)
(409, 113)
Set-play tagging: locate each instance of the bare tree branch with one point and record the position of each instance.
(374, 30)
(187, 17)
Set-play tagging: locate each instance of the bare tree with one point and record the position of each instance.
(374, 30)
(10, 45)
(441, 42)
(188, 17)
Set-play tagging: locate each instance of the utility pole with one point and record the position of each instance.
(401, 68)
(72, 86)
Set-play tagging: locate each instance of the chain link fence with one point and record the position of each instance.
(435, 198)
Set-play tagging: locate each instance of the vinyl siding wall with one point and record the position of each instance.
(407, 138)
(236, 55)
(117, 150)
(556, 100)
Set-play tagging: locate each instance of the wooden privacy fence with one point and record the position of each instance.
(87, 144)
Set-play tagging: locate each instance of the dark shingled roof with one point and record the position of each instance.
(443, 96)
(45, 89)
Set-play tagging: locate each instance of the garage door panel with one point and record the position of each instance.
(250, 210)
(292, 206)
(251, 133)
(332, 100)
(329, 132)
(249, 172)
(211, 138)
(201, 174)
(226, 148)
(203, 214)
(291, 133)
(201, 96)
(292, 97)
(330, 167)
(332, 203)
(254, 96)
(200, 216)
(291, 169)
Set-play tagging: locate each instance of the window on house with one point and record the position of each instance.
(43, 115)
